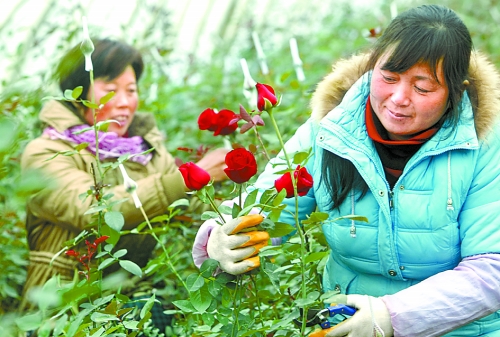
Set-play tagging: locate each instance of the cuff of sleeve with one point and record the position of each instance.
(199, 252)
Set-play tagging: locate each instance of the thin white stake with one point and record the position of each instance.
(260, 54)
(297, 62)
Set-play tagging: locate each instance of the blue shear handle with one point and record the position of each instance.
(341, 309)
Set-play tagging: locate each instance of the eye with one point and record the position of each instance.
(421, 90)
(389, 79)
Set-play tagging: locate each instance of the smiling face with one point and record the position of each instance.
(122, 105)
(408, 102)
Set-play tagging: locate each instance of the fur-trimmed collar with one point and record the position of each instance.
(484, 89)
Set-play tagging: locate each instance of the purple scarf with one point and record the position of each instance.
(110, 144)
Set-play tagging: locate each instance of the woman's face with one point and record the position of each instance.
(409, 102)
(122, 105)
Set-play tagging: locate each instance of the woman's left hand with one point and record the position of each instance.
(371, 316)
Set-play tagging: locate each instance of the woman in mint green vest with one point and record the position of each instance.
(406, 135)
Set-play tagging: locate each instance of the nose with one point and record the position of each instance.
(121, 99)
(400, 95)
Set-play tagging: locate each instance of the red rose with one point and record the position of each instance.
(303, 180)
(266, 99)
(194, 176)
(206, 120)
(241, 165)
(222, 123)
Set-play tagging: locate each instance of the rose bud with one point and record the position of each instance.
(266, 98)
(194, 176)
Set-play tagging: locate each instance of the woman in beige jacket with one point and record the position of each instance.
(56, 214)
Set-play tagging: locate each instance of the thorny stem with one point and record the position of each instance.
(239, 196)
(257, 134)
(169, 261)
(215, 208)
(98, 163)
(300, 230)
(236, 303)
(258, 299)
(94, 114)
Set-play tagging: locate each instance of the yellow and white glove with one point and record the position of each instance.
(371, 318)
(236, 244)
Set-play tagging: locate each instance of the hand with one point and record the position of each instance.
(235, 249)
(361, 324)
(214, 163)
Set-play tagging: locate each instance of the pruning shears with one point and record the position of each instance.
(320, 317)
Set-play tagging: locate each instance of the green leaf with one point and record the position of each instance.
(312, 257)
(201, 300)
(105, 99)
(77, 92)
(281, 229)
(81, 146)
(131, 267)
(235, 211)
(115, 220)
(144, 320)
(179, 203)
(114, 236)
(267, 196)
(7, 130)
(274, 215)
(68, 94)
(90, 105)
(194, 282)
(104, 125)
(208, 267)
(29, 322)
(120, 253)
(132, 325)
(60, 324)
(310, 299)
(106, 263)
(224, 278)
(100, 317)
(95, 209)
(209, 215)
(214, 288)
(280, 197)
(184, 305)
(316, 217)
(148, 306)
(251, 198)
(226, 209)
(300, 157)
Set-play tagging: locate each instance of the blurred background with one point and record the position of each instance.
(196, 52)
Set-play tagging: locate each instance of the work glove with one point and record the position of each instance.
(372, 319)
(235, 244)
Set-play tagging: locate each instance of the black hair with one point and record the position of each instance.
(109, 60)
(430, 34)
